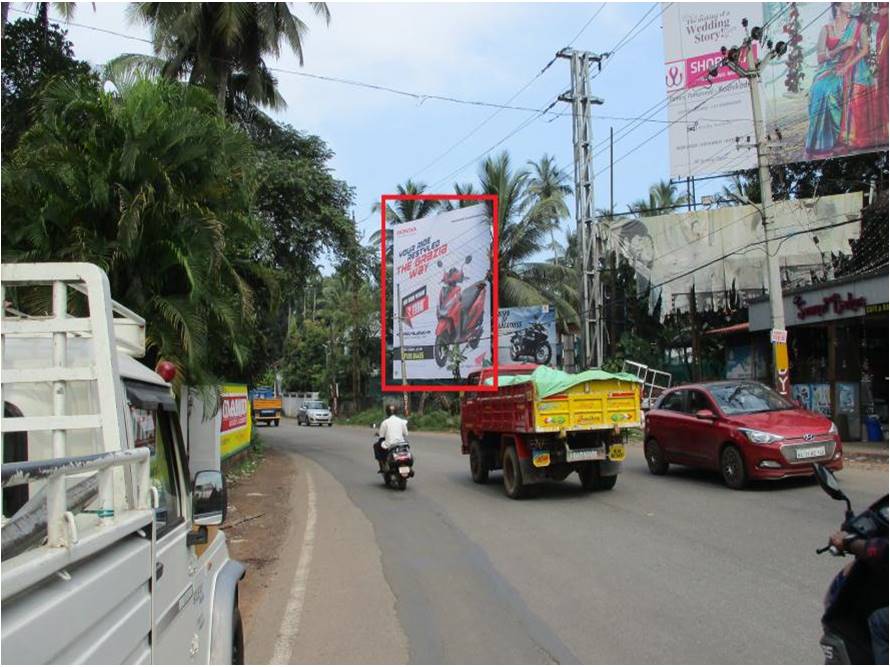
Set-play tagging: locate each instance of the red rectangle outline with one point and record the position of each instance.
(494, 301)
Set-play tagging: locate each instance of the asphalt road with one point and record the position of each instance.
(677, 569)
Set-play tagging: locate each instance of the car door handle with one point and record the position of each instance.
(159, 571)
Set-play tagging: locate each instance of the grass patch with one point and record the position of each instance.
(249, 460)
(433, 420)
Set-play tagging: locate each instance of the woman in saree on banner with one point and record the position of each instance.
(842, 117)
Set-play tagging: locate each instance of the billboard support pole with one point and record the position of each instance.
(744, 62)
(402, 351)
(589, 236)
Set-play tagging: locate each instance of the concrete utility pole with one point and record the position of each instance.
(589, 236)
(744, 62)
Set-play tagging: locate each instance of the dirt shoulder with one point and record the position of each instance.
(259, 508)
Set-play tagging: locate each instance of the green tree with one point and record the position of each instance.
(154, 187)
(304, 363)
(663, 198)
(525, 219)
(223, 45)
(32, 55)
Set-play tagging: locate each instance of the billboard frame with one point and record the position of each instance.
(384, 385)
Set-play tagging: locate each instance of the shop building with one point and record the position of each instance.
(837, 343)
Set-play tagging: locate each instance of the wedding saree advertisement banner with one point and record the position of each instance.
(827, 96)
(527, 335)
(721, 249)
(706, 116)
(442, 291)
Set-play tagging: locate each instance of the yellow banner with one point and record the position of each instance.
(235, 420)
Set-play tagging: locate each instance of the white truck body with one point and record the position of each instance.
(108, 553)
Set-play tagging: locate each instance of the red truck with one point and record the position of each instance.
(544, 424)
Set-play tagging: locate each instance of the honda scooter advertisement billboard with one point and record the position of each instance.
(442, 293)
(527, 335)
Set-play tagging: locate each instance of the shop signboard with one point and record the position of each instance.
(234, 419)
(442, 292)
(527, 335)
(820, 100)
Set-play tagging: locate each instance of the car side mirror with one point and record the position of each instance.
(209, 498)
(707, 415)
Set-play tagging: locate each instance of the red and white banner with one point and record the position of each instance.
(234, 412)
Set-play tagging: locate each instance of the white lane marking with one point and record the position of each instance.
(290, 624)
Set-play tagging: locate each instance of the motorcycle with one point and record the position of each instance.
(531, 343)
(854, 593)
(397, 466)
(460, 313)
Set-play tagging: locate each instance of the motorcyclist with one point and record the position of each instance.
(873, 553)
(393, 430)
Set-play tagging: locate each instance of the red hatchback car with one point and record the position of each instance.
(741, 428)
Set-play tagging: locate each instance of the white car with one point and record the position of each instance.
(315, 413)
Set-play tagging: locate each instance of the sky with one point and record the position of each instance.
(475, 51)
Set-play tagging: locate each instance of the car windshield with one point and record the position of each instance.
(316, 405)
(746, 398)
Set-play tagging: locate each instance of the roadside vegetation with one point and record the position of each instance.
(430, 420)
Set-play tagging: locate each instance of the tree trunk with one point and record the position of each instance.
(422, 406)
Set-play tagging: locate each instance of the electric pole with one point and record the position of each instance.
(589, 236)
(744, 62)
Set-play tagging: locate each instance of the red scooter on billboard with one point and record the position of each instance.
(460, 312)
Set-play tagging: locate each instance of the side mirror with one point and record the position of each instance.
(209, 499)
(829, 482)
(374, 426)
(439, 263)
(468, 259)
(706, 415)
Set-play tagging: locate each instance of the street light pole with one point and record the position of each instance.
(743, 61)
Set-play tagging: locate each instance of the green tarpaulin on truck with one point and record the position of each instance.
(549, 381)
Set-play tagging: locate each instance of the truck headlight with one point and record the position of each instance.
(760, 437)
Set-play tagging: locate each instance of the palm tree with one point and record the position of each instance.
(663, 198)
(525, 219)
(460, 189)
(222, 46)
(404, 210)
(65, 9)
(548, 181)
(151, 185)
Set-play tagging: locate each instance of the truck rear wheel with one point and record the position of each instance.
(478, 463)
(513, 485)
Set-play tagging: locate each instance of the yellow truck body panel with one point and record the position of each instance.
(587, 406)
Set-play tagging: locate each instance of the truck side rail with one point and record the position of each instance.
(124, 500)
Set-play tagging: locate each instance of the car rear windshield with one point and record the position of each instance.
(746, 398)
(316, 405)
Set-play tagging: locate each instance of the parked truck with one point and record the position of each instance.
(110, 545)
(543, 424)
(266, 406)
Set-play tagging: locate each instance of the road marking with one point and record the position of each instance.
(290, 624)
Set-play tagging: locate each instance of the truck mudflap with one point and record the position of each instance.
(225, 600)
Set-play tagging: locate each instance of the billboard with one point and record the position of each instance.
(234, 419)
(826, 97)
(719, 249)
(442, 292)
(706, 117)
(527, 335)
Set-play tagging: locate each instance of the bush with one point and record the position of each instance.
(435, 420)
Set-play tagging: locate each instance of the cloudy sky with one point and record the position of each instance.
(484, 52)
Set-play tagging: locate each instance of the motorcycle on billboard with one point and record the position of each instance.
(442, 294)
(528, 335)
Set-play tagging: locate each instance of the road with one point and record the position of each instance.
(666, 570)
